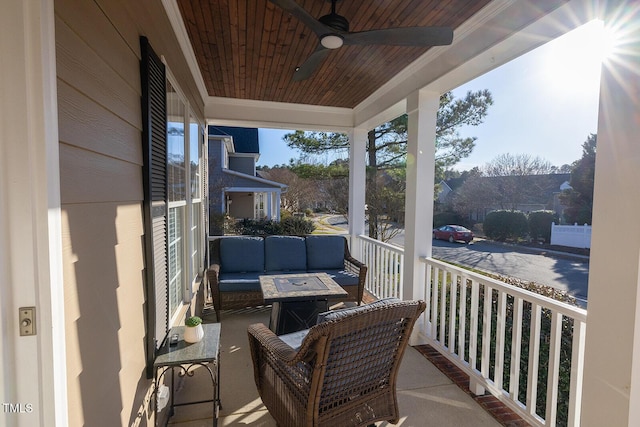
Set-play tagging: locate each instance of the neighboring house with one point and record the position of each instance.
(524, 193)
(235, 187)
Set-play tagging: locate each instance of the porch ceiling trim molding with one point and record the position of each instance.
(173, 13)
(278, 115)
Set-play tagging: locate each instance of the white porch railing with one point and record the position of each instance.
(523, 348)
(385, 264)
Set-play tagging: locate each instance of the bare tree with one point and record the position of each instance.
(517, 165)
(299, 190)
(512, 178)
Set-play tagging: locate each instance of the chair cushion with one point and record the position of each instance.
(239, 282)
(285, 253)
(241, 254)
(345, 312)
(294, 339)
(341, 277)
(325, 252)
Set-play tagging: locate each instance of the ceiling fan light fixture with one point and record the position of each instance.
(332, 41)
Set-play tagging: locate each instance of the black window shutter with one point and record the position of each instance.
(154, 149)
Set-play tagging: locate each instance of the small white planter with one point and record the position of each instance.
(193, 334)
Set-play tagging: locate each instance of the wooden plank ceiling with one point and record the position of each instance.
(249, 49)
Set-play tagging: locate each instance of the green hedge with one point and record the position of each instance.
(502, 225)
(540, 224)
(446, 218)
(291, 226)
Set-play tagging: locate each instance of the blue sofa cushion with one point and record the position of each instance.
(240, 282)
(341, 277)
(345, 312)
(241, 254)
(285, 253)
(325, 252)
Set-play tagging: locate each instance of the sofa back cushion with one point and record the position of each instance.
(241, 254)
(325, 252)
(285, 253)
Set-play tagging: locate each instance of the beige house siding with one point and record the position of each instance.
(98, 54)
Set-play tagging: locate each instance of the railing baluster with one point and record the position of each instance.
(443, 307)
(434, 303)
(473, 333)
(577, 369)
(486, 331)
(516, 344)
(534, 359)
(554, 369)
(462, 328)
(453, 292)
(401, 277)
(427, 311)
(500, 338)
(377, 267)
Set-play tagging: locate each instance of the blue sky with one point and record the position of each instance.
(545, 104)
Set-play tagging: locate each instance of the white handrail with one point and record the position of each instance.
(385, 267)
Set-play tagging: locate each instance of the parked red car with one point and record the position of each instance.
(453, 233)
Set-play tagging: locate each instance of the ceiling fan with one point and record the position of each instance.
(333, 32)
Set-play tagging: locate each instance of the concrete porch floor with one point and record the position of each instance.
(426, 396)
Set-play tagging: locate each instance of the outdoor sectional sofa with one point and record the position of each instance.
(238, 261)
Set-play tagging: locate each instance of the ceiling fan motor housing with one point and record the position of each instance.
(335, 21)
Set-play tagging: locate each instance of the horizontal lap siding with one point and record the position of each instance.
(101, 192)
(99, 113)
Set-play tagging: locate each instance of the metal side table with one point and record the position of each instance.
(185, 357)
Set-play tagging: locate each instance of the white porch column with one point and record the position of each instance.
(611, 388)
(32, 368)
(276, 204)
(357, 184)
(269, 204)
(422, 109)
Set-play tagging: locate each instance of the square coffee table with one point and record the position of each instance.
(297, 299)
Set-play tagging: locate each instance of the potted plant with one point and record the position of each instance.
(193, 331)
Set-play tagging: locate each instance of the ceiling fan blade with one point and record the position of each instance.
(309, 21)
(311, 64)
(403, 36)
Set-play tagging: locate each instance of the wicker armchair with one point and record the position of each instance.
(342, 372)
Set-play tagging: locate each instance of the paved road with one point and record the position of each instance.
(561, 272)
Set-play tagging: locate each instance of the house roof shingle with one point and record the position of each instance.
(245, 140)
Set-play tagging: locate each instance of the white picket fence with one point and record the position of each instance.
(575, 236)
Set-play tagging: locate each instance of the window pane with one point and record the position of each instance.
(176, 250)
(196, 238)
(175, 145)
(196, 135)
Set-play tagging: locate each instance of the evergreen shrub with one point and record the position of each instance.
(505, 225)
(540, 224)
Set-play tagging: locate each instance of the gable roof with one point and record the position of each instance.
(245, 140)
